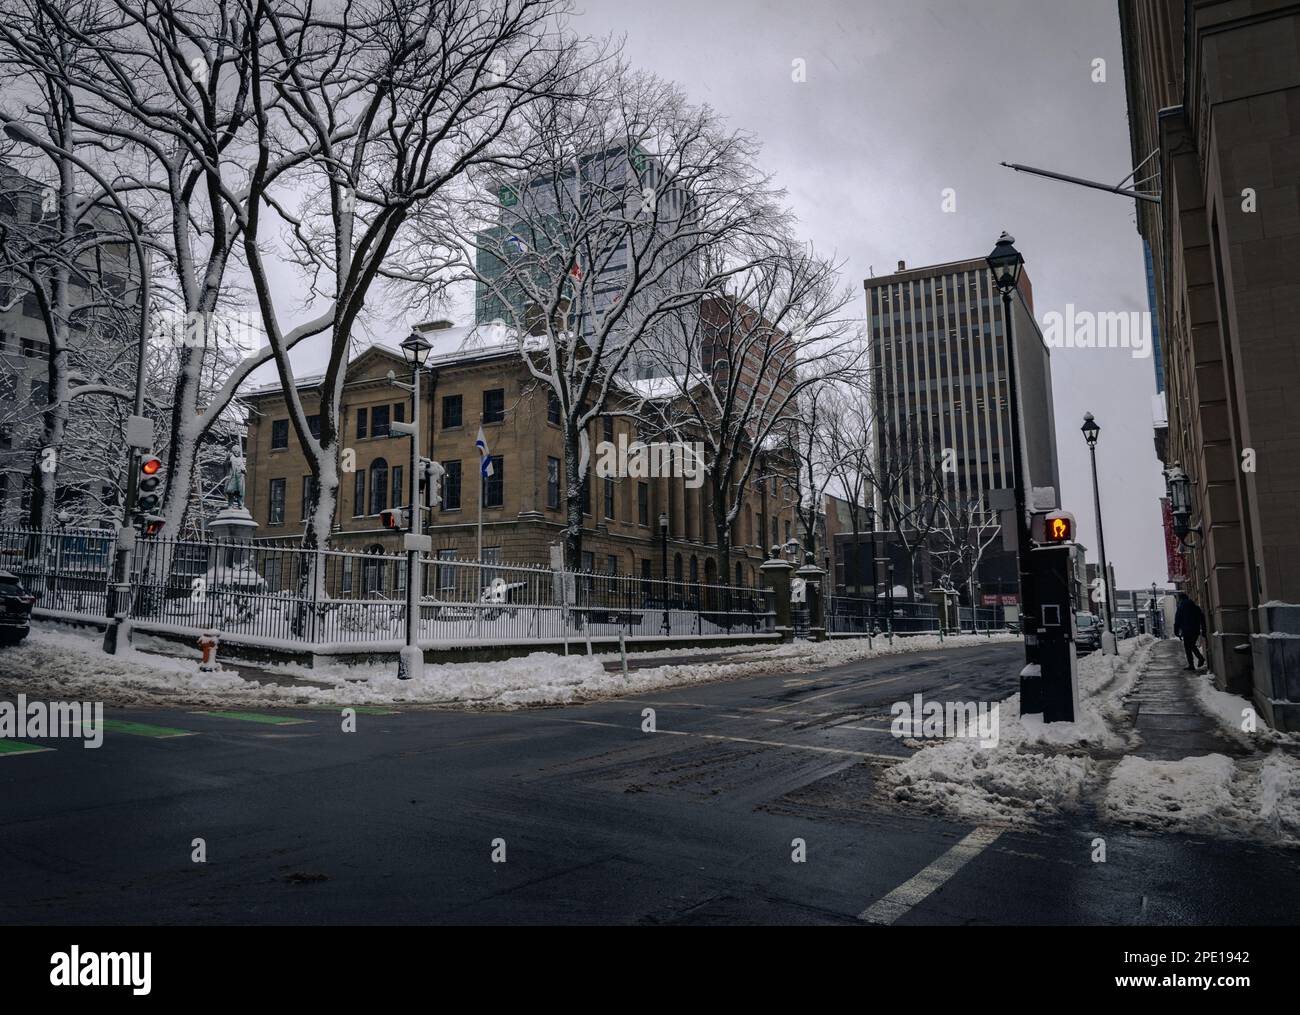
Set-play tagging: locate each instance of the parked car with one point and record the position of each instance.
(1124, 629)
(1087, 633)
(15, 609)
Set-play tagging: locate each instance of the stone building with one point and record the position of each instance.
(1214, 109)
(476, 374)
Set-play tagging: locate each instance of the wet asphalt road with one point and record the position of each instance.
(601, 822)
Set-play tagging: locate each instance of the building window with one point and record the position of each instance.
(347, 572)
(363, 416)
(611, 564)
(279, 434)
(553, 483)
(445, 580)
(643, 503)
(609, 498)
(399, 412)
(379, 421)
(494, 487)
(313, 425)
(586, 492)
(452, 411)
(494, 405)
(308, 496)
(451, 486)
(399, 490)
(552, 408)
(358, 493)
(275, 514)
(378, 485)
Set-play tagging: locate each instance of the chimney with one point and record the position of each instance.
(902, 266)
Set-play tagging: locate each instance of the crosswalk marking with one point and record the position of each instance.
(925, 883)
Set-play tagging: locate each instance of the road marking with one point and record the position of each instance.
(893, 758)
(15, 747)
(922, 885)
(139, 729)
(270, 720)
(841, 690)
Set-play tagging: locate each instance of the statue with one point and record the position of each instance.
(234, 488)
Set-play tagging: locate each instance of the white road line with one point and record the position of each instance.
(841, 690)
(922, 885)
(739, 740)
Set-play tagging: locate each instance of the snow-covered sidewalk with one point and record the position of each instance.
(1038, 770)
(64, 663)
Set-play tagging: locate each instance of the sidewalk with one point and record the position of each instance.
(1166, 713)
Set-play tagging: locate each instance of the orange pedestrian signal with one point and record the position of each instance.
(1060, 530)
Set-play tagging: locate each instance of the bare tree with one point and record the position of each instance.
(848, 430)
(963, 532)
(910, 480)
(590, 251)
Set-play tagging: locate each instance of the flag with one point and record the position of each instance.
(575, 271)
(484, 458)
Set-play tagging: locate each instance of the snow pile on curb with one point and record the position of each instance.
(1229, 710)
(1208, 795)
(67, 663)
(1037, 769)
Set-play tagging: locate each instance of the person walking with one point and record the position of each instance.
(1189, 624)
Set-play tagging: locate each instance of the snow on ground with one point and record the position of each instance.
(1037, 769)
(65, 663)
(1209, 795)
(1229, 709)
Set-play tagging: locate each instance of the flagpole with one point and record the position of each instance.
(482, 495)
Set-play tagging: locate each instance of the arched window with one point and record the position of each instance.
(740, 575)
(378, 486)
(695, 570)
(677, 566)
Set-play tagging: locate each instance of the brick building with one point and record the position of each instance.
(1214, 106)
(476, 373)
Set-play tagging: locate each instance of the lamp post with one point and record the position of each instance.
(62, 518)
(1091, 431)
(1153, 610)
(415, 349)
(1006, 263)
(663, 549)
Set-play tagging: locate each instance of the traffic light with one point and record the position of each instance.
(1053, 528)
(148, 497)
(393, 518)
(1059, 529)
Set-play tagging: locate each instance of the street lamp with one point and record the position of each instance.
(1180, 503)
(1005, 263)
(663, 550)
(415, 350)
(62, 518)
(1091, 431)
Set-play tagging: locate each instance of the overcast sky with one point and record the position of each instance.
(906, 98)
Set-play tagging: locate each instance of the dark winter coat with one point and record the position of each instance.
(1189, 621)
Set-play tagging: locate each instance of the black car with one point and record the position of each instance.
(15, 610)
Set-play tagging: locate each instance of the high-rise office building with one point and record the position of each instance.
(939, 365)
(940, 385)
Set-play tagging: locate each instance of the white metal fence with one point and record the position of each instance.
(289, 595)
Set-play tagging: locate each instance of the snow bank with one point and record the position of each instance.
(61, 662)
(1209, 795)
(1037, 769)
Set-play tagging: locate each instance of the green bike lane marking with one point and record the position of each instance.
(141, 729)
(8, 747)
(268, 720)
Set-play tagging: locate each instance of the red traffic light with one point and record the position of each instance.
(150, 464)
(393, 518)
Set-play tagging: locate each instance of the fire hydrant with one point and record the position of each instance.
(208, 642)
